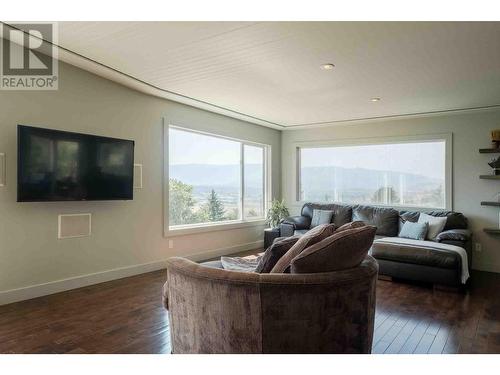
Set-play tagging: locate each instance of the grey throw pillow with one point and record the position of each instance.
(435, 224)
(321, 217)
(274, 253)
(414, 231)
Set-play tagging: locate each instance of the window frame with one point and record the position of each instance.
(448, 180)
(179, 230)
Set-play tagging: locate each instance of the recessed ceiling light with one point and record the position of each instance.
(327, 66)
(375, 99)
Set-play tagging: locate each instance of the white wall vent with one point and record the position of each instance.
(74, 225)
(137, 176)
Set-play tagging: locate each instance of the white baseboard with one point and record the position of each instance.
(39, 290)
(33, 291)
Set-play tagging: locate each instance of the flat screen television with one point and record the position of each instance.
(54, 165)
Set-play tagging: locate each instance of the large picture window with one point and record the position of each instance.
(407, 174)
(214, 180)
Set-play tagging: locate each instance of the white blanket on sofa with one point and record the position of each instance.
(432, 245)
(241, 264)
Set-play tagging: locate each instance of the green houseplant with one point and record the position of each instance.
(276, 213)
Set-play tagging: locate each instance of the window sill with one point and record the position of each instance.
(203, 228)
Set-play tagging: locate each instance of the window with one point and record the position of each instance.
(409, 174)
(214, 180)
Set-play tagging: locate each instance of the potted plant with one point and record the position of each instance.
(276, 213)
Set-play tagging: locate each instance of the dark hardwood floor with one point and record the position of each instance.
(126, 316)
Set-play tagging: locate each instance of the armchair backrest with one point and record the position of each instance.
(219, 311)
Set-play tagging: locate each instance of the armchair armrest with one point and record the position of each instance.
(454, 235)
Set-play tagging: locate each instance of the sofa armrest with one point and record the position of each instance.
(287, 230)
(299, 222)
(454, 235)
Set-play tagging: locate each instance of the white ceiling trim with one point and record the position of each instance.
(391, 118)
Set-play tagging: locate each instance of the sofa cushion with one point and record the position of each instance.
(274, 253)
(426, 256)
(321, 217)
(344, 249)
(455, 220)
(415, 231)
(385, 219)
(435, 225)
(315, 235)
(341, 213)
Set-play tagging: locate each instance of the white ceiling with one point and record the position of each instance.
(271, 70)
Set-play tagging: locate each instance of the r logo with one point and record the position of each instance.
(28, 56)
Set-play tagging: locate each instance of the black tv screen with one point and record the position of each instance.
(57, 165)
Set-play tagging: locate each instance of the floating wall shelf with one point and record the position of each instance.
(493, 231)
(489, 150)
(490, 177)
(494, 204)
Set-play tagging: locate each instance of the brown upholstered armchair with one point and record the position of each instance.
(218, 311)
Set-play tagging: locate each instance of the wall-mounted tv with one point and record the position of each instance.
(54, 165)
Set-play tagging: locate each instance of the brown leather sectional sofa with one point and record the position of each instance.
(427, 264)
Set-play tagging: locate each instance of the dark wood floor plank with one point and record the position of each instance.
(126, 316)
(440, 340)
(386, 340)
(402, 337)
(452, 342)
(380, 347)
(424, 344)
(411, 344)
(383, 329)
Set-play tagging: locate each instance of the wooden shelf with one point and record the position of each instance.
(494, 204)
(489, 177)
(491, 230)
(489, 150)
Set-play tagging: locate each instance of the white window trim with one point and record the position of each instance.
(446, 137)
(181, 230)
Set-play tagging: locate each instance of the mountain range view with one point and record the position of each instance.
(317, 184)
(219, 175)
